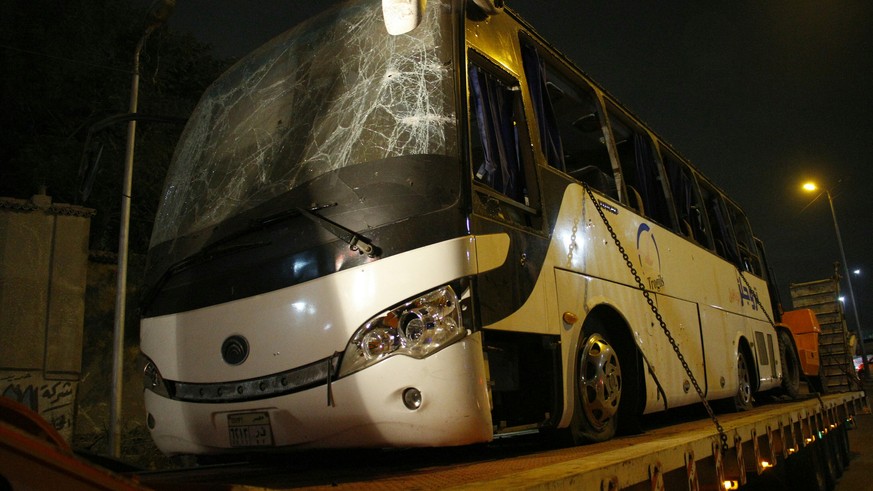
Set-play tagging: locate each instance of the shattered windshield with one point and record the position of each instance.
(333, 92)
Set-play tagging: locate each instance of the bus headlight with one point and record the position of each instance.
(152, 379)
(417, 328)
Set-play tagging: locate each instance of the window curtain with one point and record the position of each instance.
(493, 106)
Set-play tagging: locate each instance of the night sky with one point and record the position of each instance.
(760, 96)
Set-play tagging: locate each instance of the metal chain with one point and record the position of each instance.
(721, 434)
(754, 295)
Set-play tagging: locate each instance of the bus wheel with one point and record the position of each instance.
(598, 391)
(816, 384)
(790, 366)
(742, 401)
(805, 470)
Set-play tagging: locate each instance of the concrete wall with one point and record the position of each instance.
(43, 270)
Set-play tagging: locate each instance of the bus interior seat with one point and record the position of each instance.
(720, 248)
(635, 196)
(555, 92)
(596, 178)
(687, 231)
(587, 123)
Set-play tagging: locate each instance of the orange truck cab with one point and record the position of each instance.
(805, 330)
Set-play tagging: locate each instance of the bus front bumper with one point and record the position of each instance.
(365, 409)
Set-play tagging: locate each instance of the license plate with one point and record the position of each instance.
(249, 430)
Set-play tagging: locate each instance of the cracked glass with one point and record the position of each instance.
(333, 92)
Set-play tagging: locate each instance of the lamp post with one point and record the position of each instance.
(158, 14)
(812, 187)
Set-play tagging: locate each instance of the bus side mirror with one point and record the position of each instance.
(402, 16)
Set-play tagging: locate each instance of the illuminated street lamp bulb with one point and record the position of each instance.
(842, 299)
(857, 272)
(810, 186)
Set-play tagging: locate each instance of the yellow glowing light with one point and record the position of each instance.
(765, 464)
(810, 186)
(728, 485)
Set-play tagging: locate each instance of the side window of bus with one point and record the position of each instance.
(748, 253)
(500, 145)
(689, 206)
(640, 170)
(722, 232)
(569, 120)
(767, 275)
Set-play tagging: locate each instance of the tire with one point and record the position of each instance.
(806, 472)
(790, 366)
(831, 474)
(816, 384)
(599, 386)
(844, 451)
(833, 449)
(742, 401)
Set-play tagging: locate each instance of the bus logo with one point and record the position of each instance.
(649, 256)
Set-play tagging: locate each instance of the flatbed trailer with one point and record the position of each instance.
(808, 436)
(783, 445)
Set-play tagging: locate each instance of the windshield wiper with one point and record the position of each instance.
(355, 241)
(206, 254)
(218, 248)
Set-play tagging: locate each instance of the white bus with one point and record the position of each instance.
(412, 239)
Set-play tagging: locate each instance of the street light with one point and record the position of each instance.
(158, 14)
(812, 187)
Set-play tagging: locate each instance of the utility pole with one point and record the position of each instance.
(158, 14)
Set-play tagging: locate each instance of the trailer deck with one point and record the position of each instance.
(798, 440)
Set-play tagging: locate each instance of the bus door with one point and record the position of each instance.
(523, 357)
(505, 196)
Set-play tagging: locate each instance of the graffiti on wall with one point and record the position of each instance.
(51, 399)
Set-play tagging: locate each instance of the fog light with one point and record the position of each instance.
(412, 398)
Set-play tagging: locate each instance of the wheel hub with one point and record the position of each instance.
(600, 381)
